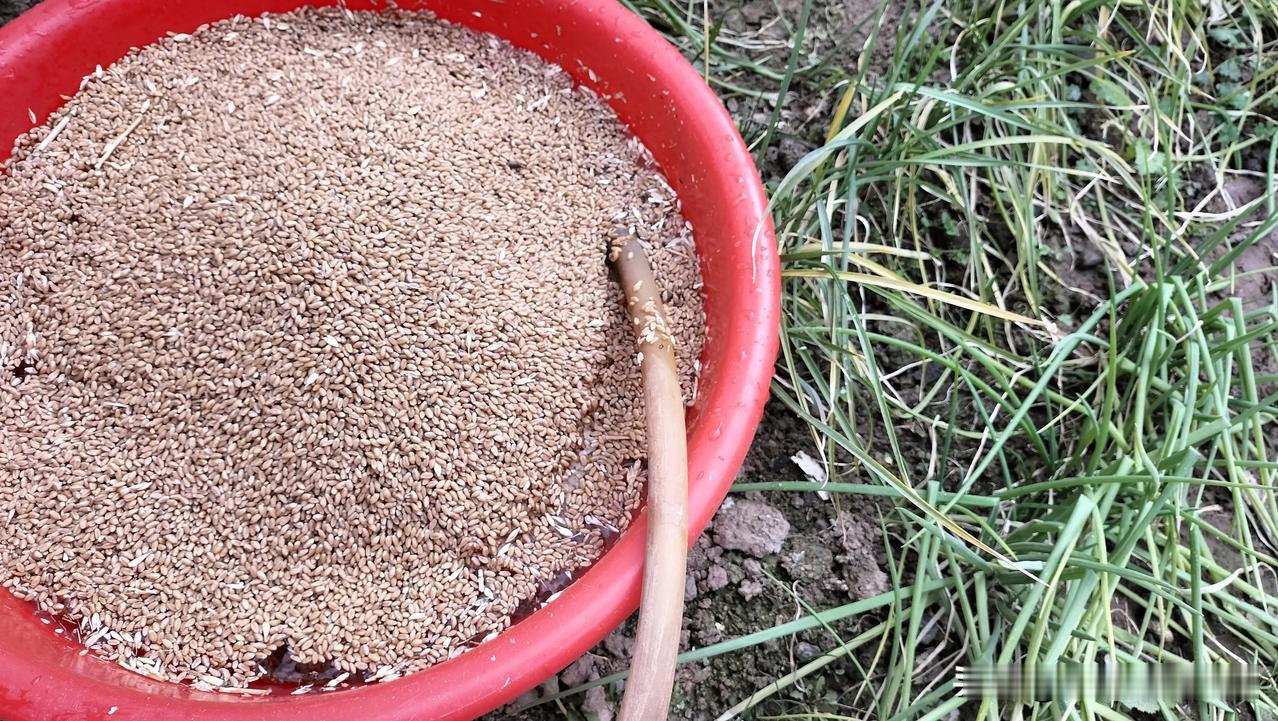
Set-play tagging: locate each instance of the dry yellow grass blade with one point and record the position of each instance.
(916, 289)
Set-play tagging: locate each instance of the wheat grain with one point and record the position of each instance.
(327, 356)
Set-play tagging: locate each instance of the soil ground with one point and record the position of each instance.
(10, 9)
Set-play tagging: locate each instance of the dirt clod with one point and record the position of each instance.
(716, 578)
(689, 589)
(597, 704)
(811, 562)
(860, 541)
(750, 589)
(579, 671)
(753, 527)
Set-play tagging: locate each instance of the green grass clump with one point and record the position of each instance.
(1070, 475)
(942, 210)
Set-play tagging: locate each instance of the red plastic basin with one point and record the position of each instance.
(45, 53)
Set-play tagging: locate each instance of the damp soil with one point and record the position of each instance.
(10, 9)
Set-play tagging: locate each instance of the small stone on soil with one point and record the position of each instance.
(806, 652)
